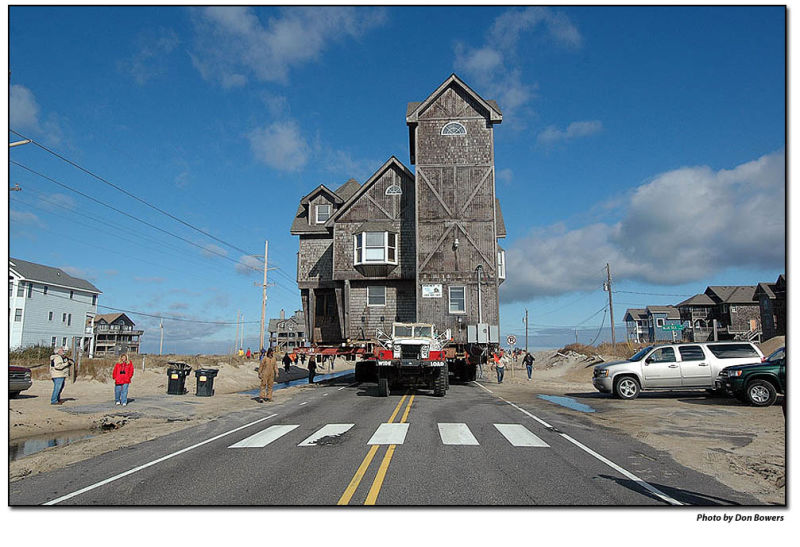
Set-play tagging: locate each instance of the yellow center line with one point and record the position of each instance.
(362, 469)
(372, 497)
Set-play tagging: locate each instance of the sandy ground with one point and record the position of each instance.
(89, 411)
(741, 446)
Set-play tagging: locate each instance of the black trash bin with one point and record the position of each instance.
(205, 381)
(176, 374)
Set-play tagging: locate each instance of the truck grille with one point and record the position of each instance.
(16, 375)
(409, 352)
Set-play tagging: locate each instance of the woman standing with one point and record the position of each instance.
(123, 372)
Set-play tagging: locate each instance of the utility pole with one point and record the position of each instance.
(526, 331)
(264, 294)
(161, 345)
(576, 336)
(611, 306)
(241, 334)
(236, 340)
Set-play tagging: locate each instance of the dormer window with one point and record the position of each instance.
(323, 213)
(454, 129)
(375, 248)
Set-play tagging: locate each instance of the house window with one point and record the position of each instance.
(21, 289)
(69, 320)
(375, 248)
(44, 289)
(733, 309)
(323, 213)
(64, 341)
(71, 294)
(458, 302)
(501, 264)
(94, 300)
(376, 295)
(63, 317)
(49, 316)
(30, 290)
(53, 341)
(454, 129)
(660, 322)
(10, 288)
(18, 315)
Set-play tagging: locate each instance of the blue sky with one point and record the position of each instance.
(651, 138)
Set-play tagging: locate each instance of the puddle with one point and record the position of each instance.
(33, 445)
(568, 402)
(301, 381)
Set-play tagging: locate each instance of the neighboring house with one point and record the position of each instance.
(47, 306)
(114, 334)
(406, 246)
(636, 323)
(771, 298)
(697, 313)
(737, 313)
(287, 333)
(662, 323)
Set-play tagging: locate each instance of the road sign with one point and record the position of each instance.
(672, 327)
(511, 339)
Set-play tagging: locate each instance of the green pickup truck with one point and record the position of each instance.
(757, 384)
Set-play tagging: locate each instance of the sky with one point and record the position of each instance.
(651, 139)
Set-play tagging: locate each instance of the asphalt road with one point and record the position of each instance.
(342, 444)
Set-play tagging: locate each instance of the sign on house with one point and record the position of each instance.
(432, 290)
(672, 327)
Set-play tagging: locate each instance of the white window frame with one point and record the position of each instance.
(316, 213)
(659, 322)
(450, 300)
(49, 316)
(460, 133)
(360, 254)
(384, 296)
(17, 315)
(501, 264)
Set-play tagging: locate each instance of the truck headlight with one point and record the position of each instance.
(603, 373)
(424, 351)
(734, 373)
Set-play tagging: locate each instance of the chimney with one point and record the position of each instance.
(283, 315)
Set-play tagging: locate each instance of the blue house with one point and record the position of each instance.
(664, 323)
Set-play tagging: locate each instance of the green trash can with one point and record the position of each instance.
(205, 381)
(176, 375)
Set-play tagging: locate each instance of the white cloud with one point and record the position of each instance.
(212, 251)
(57, 202)
(280, 145)
(249, 265)
(552, 135)
(22, 217)
(23, 110)
(505, 175)
(149, 61)
(494, 65)
(232, 44)
(684, 225)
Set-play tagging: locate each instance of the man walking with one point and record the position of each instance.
(267, 371)
(59, 370)
(287, 362)
(528, 360)
(500, 366)
(312, 369)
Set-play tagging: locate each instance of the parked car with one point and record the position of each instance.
(757, 384)
(681, 366)
(19, 379)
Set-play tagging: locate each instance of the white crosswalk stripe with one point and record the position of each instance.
(519, 435)
(389, 434)
(330, 430)
(457, 434)
(263, 438)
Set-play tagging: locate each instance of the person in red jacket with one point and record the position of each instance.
(123, 372)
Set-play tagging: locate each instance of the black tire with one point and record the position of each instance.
(760, 393)
(627, 388)
(383, 387)
(440, 383)
(13, 394)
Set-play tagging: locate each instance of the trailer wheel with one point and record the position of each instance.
(440, 382)
(383, 387)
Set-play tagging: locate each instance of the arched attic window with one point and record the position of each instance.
(454, 129)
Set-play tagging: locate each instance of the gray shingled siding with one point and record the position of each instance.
(365, 320)
(315, 261)
(740, 319)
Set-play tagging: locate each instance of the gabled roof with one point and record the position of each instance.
(697, 300)
(297, 319)
(636, 314)
(392, 161)
(671, 311)
(319, 189)
(732, 294)
(48, 275)
(413, 112)
(767, 289)
(109, 318)
(501, 225)
(346, 190)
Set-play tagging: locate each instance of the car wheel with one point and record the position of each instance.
(13, 394)
(761, 393)
(627, 387)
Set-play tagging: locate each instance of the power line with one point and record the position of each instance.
(652, 293)
(601, 330)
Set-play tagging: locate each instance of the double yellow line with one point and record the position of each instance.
(375, 489)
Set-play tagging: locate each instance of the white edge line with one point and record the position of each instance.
(154, 462)
(304, 403)
(482, 387)
(637, 480)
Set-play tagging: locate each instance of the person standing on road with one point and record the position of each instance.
(499, 366)
(122, 374)
(262, 354)
(312, 369)
(59, 370)
(287, 362)
(267, 372)
(528, 361)
(249, 354)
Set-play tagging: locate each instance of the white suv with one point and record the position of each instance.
(693, 365)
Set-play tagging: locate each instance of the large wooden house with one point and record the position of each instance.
(407, 246)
